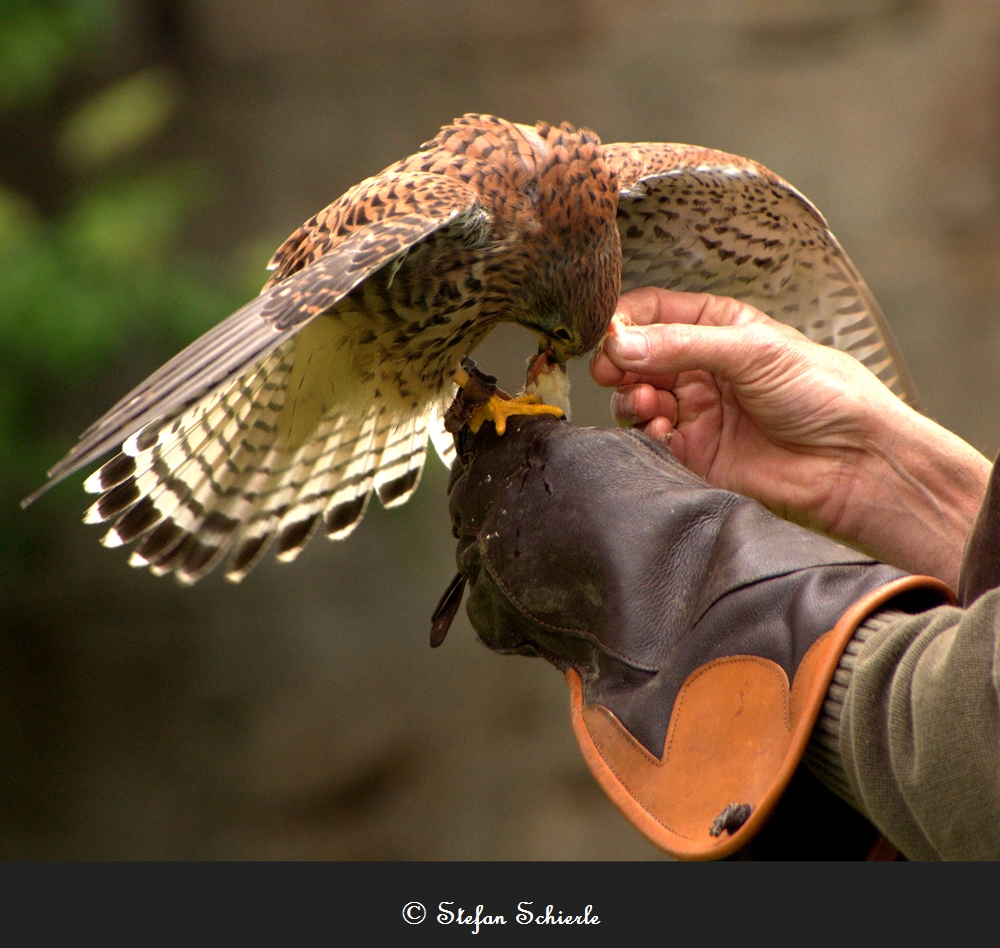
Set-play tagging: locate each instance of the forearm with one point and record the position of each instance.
(913, 496)
(910, 732)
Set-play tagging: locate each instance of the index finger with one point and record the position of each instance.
(651, 304)
(607, 374)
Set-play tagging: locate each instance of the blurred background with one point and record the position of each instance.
(152, 155)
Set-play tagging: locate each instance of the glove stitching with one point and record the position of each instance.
(576, 633)
(653, 760)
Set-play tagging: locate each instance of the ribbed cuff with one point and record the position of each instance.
(822, 754)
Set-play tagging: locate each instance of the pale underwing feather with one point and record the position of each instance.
(207, 470)
(252, 332)
(703, 221)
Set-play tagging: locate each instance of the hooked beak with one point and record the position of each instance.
(552, 350)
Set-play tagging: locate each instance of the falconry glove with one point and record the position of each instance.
(697, 631)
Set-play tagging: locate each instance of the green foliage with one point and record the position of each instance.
(41, 39)
(107, 276)
(76, 290)
(119, 119)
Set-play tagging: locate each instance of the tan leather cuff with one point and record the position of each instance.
(737, 732)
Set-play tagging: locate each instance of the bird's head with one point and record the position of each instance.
(573, 248)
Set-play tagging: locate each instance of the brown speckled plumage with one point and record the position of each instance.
(290, 412)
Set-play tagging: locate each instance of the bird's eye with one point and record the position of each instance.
(562, 334)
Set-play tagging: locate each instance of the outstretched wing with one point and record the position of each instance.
(320, 266)
(705, 221)
(205, 471)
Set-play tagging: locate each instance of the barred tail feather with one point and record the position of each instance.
(182, 487)
(337, 464)
(444, 441)
(217, 483)
(402, 462)
(198, 528)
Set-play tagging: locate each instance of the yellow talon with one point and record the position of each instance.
(498, 410)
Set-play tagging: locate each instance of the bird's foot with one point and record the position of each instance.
(499, 409)
(479, 400)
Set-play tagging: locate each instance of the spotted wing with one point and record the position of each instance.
(415, 207)
(206, 472)
(704, 221)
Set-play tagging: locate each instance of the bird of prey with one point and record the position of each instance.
(288, 414)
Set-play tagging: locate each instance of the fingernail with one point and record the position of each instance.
(630, 344)
(623, 407)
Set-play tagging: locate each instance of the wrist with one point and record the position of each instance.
(914, 495)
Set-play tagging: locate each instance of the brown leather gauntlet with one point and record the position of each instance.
(697, 631)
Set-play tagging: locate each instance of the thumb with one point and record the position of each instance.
(736, 353)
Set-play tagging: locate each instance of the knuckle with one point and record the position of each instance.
(765, 340)
(673, 337)
(728, 311)
(740, 313)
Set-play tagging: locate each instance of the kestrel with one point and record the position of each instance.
(288, 414)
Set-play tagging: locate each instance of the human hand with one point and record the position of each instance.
(755, 407)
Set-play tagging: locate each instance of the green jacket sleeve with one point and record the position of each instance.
(910, 730)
